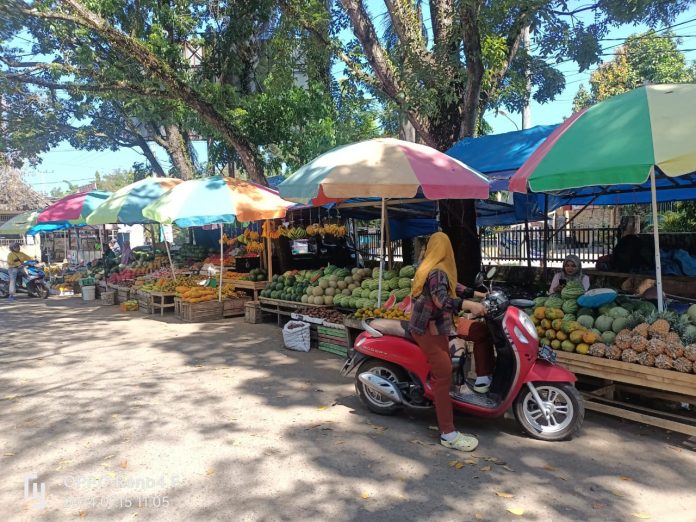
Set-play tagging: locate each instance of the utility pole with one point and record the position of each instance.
(527, 110)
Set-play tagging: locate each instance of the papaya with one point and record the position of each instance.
(540, 312)
(556, 324)
(550, 334)
(589, 338)
(545, 324)
(576, 336)
(582, 348)
(561, 336)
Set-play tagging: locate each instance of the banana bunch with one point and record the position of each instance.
(242, 239)
(227, 241)
(315, 230)
(297, 233)
(270, 231)
(335, 230)
(250, 234)
(254, 247)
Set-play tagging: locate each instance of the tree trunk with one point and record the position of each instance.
(176, 147)
(152, 160)
(458, 221)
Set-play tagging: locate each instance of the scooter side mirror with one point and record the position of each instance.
(491, 272)
(478, 281)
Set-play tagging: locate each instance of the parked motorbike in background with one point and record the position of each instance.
(393, 373)
(31, 279)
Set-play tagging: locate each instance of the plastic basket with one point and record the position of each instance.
(87, 281)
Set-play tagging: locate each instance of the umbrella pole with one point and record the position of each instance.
(221, 263)
(656, 239)
(381, 253)
(169, 256)
(269, 253)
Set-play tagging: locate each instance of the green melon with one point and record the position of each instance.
(603, 323)
(618, 324)
(617, 312)
(608, 337)
(586, 320)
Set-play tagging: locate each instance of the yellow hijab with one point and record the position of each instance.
(438, 256)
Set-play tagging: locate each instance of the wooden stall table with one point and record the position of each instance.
(162, 301)
(621, 377)
(284, 308)
(255, 286)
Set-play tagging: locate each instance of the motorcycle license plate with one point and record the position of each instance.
(547, 354)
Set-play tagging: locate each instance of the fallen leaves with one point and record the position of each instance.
(485, 468)
(642, 516)
(504, 495)
(210, 472)
(516, 511)
(548, 467)
(364, 495)
(123, 464)
(627, 479)
(10, 398)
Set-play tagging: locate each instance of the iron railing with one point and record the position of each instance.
(368, 247)
(520, 246)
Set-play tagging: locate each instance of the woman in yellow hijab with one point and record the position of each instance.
(438, 297)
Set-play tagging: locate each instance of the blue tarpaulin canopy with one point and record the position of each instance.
(498, 156)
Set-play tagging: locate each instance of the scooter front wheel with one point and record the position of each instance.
(374, 401)
(563, 405)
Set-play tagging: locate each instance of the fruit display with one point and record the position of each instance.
(129, 306)
(383, 313)
(256, 274)
(215, 260)
(229, 274)
(255, 247)
(188, 254)
(331, 316)
(626, 329)
(200, 294)
(269, 230)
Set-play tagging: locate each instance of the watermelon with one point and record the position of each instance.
(540, 301)
(608, 337)
(570, 306)
(617, 312)
(405, 305)
(553, 302)
(404, 282)
(389, 274)
(407, 271)
(586, 320)
(389, 303)
(572, 290)
(603, 323)
(618, 324)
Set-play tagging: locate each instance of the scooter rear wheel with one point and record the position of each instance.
(564, 403)
(374, 401)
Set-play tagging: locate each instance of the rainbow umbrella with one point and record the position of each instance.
(26, 224)
(383, 168)
(216, 200)
(73, 208)
(623, 140)
(125, 206)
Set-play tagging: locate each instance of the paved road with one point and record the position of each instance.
(127, 417)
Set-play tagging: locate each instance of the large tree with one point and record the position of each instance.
(647, 57)
(448, 61)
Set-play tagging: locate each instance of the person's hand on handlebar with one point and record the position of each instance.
(473, 307)
(480, 295)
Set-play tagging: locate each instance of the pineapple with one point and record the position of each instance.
(613, 352)
(656, 346)
(690, 352)
(664, 362)
(659, 328)
(641, 329)
(635, 319)
(646, 359)
(674, 350)
(599, 349)
(623, 339)
(682, 364)
(629, 355)
(639, 343)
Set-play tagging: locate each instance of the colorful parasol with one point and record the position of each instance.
(617, 141)
(623, 140)
(26, 224)
(216, 200)
(125, 206)
(383, 168)
(73, 208)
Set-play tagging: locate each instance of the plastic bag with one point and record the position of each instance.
(296, 336)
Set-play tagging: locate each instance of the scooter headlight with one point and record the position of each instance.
(528, 325)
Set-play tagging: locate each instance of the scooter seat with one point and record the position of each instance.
(392, 327)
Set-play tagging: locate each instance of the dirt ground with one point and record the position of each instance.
(123, 416)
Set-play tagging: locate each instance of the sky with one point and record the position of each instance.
(78, 166)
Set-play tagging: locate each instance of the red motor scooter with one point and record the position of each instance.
(393, 372)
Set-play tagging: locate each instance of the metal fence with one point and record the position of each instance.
(368, 247)
(517, 245)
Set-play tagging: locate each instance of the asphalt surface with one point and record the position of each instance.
(123, 416)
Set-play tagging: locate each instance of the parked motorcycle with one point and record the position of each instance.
(30, 280)
(393, 373)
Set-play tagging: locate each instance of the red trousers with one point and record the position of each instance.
(436, 349)
(477, 332)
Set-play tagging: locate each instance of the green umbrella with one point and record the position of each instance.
(20, 224)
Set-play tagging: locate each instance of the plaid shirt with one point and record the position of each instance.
(435, 304)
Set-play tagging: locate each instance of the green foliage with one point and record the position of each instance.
(647, 57)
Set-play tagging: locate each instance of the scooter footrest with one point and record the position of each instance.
(476, 399)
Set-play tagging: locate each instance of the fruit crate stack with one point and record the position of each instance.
(144, 301)
(333, 339)
(234, 307)
(200, 312)
(108, 297)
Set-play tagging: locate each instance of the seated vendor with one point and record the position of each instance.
(572, 271)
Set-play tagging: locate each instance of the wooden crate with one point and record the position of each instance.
(201, 312)
(234, 307)
(254, 286)
(108, 297)
(252, 312)
(332, 336)
(341, 351)
(144, 301)
(123, 293)
(162, 301)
